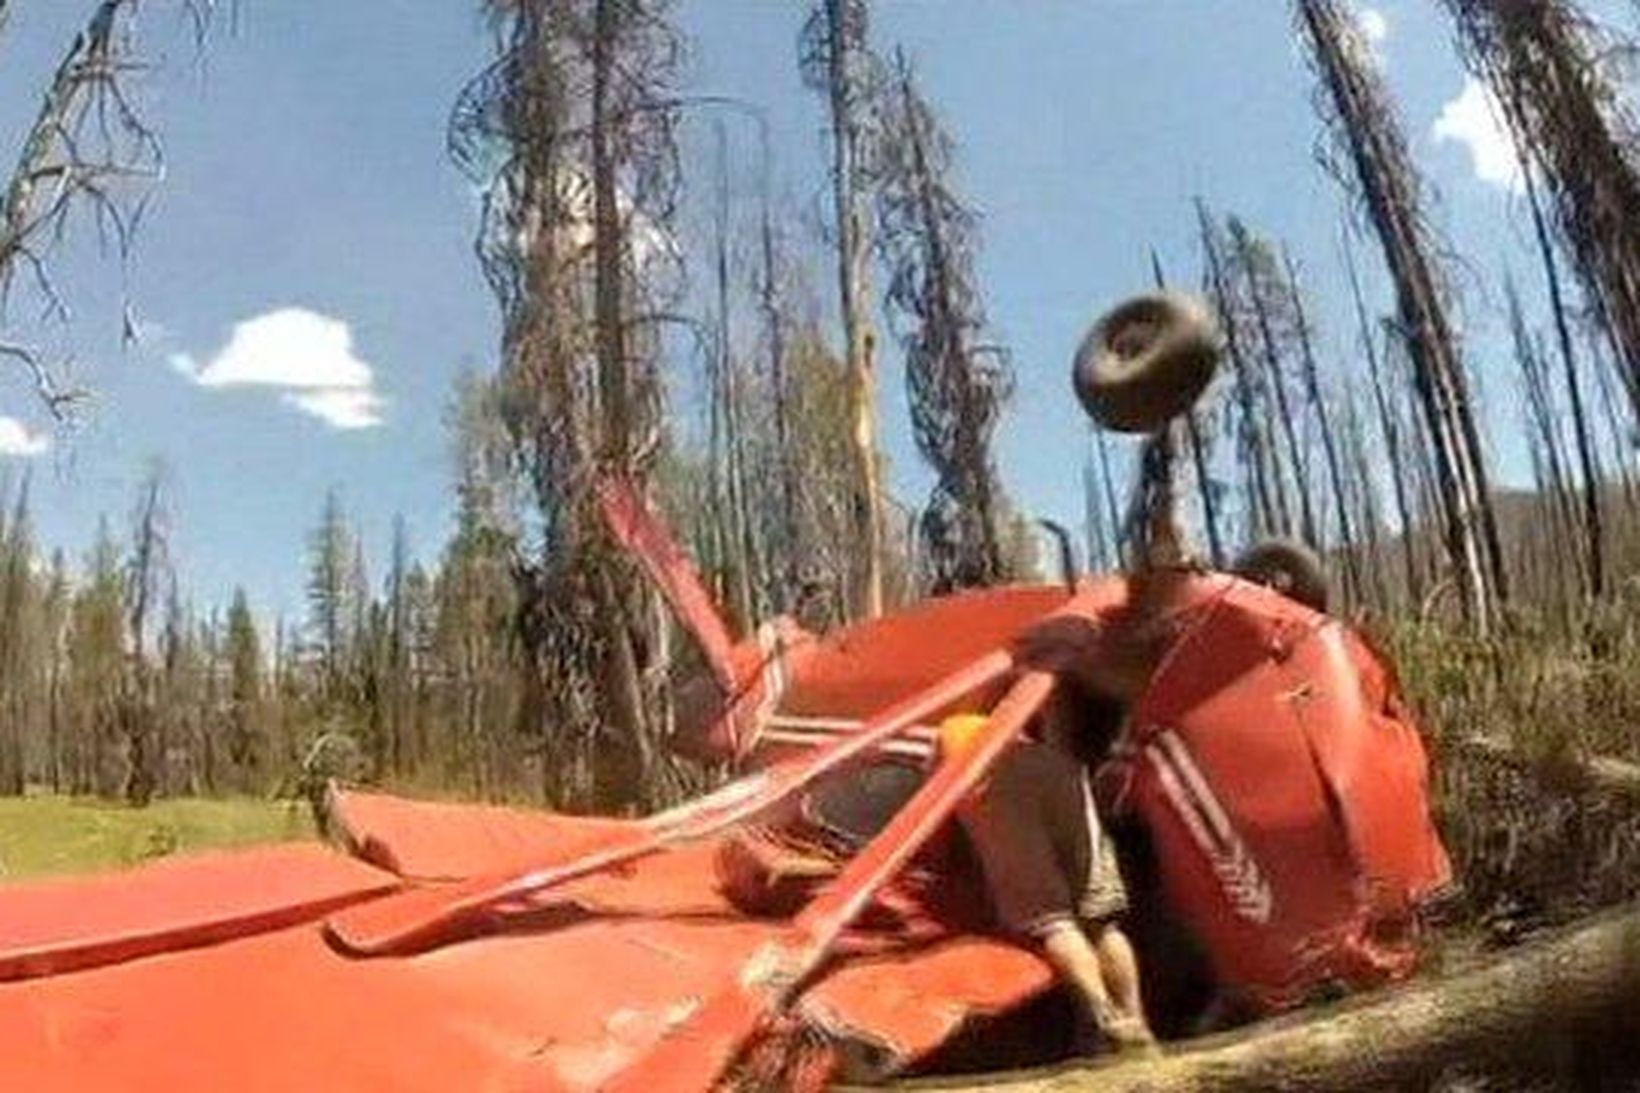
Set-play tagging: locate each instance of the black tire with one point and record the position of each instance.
(1289, 567)
(1146, 361)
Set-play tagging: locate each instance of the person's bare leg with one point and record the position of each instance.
(1119, 967)
(1105, 975)
(1078, 965)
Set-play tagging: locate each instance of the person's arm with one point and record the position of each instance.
(1098, 656)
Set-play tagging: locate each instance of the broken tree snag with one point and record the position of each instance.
(1567, 1007)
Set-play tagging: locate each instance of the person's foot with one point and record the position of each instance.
(1130, 1036)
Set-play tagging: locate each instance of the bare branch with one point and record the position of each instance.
(90, 153)
(58, 400)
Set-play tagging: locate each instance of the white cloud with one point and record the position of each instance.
(306, 355)
(1475, 120)
(343, 407)
(1374, 25)
(19, 440)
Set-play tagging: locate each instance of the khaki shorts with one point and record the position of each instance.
(1046, 856)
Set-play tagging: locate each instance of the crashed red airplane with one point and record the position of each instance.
(1270, 788)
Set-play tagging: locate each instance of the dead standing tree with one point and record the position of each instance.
(783, 537)
(1389, 431)
(146, 570)
(1264, 514)
(1541, 420)
(89, 152)
(1266, 298)
(738, 550)
(836, 61)
(1356, 107)
(16, 558)
(1594, 520)
(957, 384)
(1329, 439)
(575, 246)
(1549, 66)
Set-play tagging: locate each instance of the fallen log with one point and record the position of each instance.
(1566, 1008)
(1574, 772)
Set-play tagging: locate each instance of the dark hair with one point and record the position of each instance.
(1288, 566)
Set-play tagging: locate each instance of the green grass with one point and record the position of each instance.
(49, 835)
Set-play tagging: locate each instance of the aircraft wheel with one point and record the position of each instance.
(1146, 361)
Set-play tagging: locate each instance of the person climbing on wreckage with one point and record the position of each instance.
(1050, 874)
(1031, 799)
(1104, 671)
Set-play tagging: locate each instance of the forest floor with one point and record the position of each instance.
(48, 835)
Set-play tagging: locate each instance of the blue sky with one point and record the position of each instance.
(307, 289)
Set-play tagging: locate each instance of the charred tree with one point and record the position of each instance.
(1594, 531)
(1263, 517)
(783, 535)
(1261, 282)
(1094, 521)
(575, 245)
(146, 569)
(836, 61)
(1363, 499)
(1548, 65)
(1329, 439)
(957, 383)
(90, 153)
(1389, 430)
(1544, 442)
(1107, 484)
(16, 550)
(732, 524)
(1356, 105)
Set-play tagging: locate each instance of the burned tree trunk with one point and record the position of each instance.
(574, 244)
(1364, 500)
(1094, 521)
(836, 60)
(1263, 519)
(1365, 127)
(957, 384)
(1594, 533)
(1200, 438)
(16, 549)
(1391, 433)
(144, 571)
(1258, 272)
(1542, 422)
(1107, 482)
(1329, 440)
(731, 524)
(787, 545)
(1569, 118)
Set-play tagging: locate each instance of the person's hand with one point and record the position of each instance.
(1063, 644)
(1105, 657)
